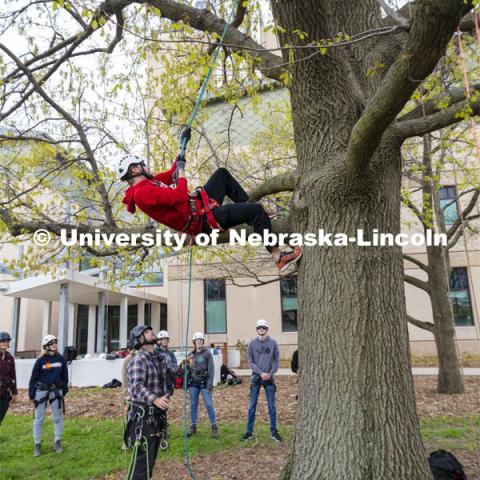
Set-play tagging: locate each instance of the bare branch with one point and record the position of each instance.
(464, 214)
(416, 282)
(417, 262)
(420, 324)
(81, 133)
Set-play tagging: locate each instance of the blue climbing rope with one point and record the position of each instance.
(183, 147)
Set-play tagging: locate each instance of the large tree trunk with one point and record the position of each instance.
(449, 373)
(357, 418)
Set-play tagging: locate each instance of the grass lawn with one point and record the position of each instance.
(92, 446)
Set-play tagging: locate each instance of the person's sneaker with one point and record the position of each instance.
(288, 259)
(248, 436)
(37, 450)
(57, 446)
(214, 431)
(276, 436)
(193, 430)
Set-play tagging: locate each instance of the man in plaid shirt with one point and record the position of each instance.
(146, 390)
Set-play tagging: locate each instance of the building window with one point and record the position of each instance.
(132, 318)
(288, 292)
(148, 314)
(447, 196)
(460, 296)
(163, 317)
(82, 329)
(215, 306)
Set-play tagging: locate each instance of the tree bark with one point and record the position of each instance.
(356, 415)
(449, 373)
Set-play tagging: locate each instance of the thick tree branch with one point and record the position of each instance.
(436, 121)
(420, 324)
(433, 25)
(284, 182)
(268, 63)
(416, 282)
(452, 95)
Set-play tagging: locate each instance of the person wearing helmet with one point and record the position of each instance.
(169, 202)
(263, 359)
(48, 385)
(145, 429)
(201, 375)
(8, 377)
(168, 358)
(163, 339)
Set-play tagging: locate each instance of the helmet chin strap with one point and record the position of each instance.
(143, 173)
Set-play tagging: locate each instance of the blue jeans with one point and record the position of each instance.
(207, 399)
(270, 388)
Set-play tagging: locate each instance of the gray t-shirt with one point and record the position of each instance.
(263, 356)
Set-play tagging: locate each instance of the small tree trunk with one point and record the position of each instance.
(449, 372)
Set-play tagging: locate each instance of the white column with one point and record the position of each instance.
(92, 312)
(62, 317)
(71, 323)
(47, 317)
(15, 325)
(141, 312)
(101, 323)
(123, 321)
(155, 317)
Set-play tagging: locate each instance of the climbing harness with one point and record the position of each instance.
(49, 389)
(134, 438)
(201, 205)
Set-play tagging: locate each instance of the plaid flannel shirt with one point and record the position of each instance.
(145, 378)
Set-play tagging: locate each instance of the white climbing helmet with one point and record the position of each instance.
(198, 336)
(261, 323)
(163, 334)
(124, 163)
(47, 339)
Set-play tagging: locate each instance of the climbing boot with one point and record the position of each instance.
(193, 430)
(214, 431)
(57, 446)
(37, 451)
(287, 259)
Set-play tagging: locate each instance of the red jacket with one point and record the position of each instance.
(161, 200)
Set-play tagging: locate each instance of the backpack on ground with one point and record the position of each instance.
(228, 376)
(113, 384)
(70, 354)
(445, 466)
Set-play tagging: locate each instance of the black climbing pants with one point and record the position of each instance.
(222, 184)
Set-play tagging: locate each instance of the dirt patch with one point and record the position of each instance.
(433, 404)
(231, 403)
(263, 462)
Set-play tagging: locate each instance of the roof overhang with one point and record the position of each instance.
(83, 289)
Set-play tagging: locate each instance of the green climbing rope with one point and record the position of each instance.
(183, 147)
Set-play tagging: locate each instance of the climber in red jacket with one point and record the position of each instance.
(169, 202)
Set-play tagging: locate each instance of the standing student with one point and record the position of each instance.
(48, 385)
(263, 359)
(8, 378)
(148, 403)
(169, 358)
(202, 371)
